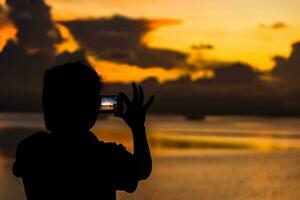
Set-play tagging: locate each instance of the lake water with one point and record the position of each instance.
(247, 158)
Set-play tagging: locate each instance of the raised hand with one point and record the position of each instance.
(136, 110)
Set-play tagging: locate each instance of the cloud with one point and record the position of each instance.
(3, 16)
(279, 25)
(235, 73)
(120, 39)
(1, 13)
(229, 72)
(36, 30)
(288, 69)
(234, 90)
(23, 61)
(211, 97)
(275, 26)
(202, 46)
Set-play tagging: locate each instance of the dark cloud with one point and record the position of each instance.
(288, 69)
(210, 97)
(36, 30)
(120, 39)
(66, 56)
(279, 25)
(23, 62)
(202, 46)
(235, 73)
(3, 16)
(1, 9)
(274, 26)
(236, 89)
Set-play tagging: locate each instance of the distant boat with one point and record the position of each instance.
(195, 117)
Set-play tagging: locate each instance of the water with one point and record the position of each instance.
(216, 158)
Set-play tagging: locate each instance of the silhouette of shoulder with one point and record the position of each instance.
(27, 151)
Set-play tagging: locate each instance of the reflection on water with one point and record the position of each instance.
(218, 158)
(214, 133)
(238, 176)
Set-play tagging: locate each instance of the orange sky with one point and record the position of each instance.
(232, 26)
(238, 30)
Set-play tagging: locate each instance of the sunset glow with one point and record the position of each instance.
(198, 99)
(237, 31)
(69, 43)
(111, 72)
(7, 32)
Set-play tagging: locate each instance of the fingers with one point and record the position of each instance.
(141, 97)
(135, 93)
(138, 97)
(120, 107)
(149, 103)
(125, 98)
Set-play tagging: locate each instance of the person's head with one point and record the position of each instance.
(71, 97)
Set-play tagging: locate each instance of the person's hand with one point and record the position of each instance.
(136, 110)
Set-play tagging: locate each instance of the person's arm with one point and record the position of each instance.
(134, 116)
(142, 152)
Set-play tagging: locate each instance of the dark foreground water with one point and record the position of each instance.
(218, 158)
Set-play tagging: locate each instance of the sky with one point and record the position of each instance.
(239, 30)
(209, 49)
(247, 31)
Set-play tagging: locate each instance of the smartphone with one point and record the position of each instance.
(109, 104)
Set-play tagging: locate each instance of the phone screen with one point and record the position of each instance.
(108, 103)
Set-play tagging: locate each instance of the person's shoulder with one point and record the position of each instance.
(36, 139)
(37, 136)
(28, 152)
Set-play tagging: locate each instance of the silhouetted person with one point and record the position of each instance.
(69, 162)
